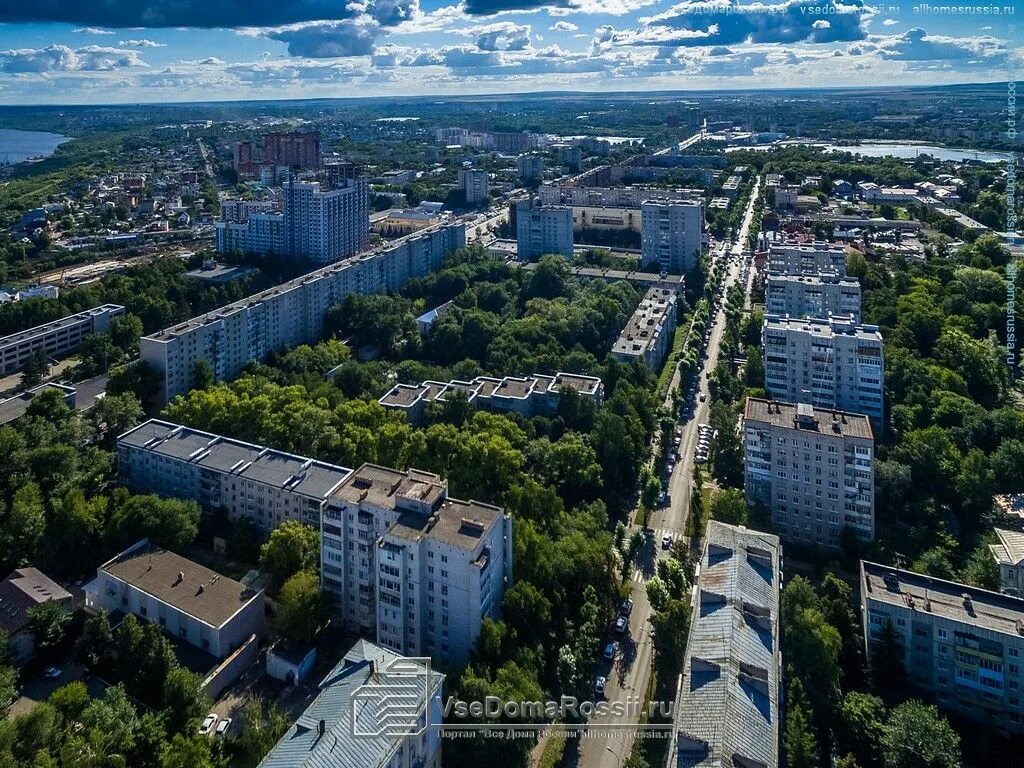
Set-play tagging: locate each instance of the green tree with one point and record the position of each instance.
(301, 607)
(202, 375)
(171, 523)
(8, 687)
(292, 547)
(96, 642)
(115, 414)
(799, 740)
(48, 622)
(730, 506)
(916, 736)
(185, 703)
(35, 368)
(860, 728)
(70, 700)
(192, 751)
(23, 527)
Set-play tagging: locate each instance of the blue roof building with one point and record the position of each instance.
(376, 709)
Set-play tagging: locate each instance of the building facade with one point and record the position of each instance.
(817, 296)
(289, 314)
(189, 601)
(728, 710)
(419, 569)
(251, 482)
(55, 339)
(476, 184)
(833, 363)
(1008, 552)
(614, 197)
(812, 468)
(542, 229)
(648, 333)
(671, 235)
(802, 259)
(530, 168)
(961, 645)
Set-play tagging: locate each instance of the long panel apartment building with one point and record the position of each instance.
(614, 197)
(831, 363)
(420, 568)
(961, 645)
(728, 709)
(250, 482)
(290, 314)
(671, 234)
(807, 259)
(529, 396)
(812, 296)
(542, 230)
(315, 225)
(647, 336)
(813, 469)
(54, 339)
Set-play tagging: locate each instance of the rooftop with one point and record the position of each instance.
(64, 322)
(1010, 549)
(303, 746)
(460, 524)
(837, 325)
(644, 326)
(728, 702)
(945, 599)
(181, 583)
(24, 589)
(384, 487)
(808, 418)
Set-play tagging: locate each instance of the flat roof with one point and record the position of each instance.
(54, 325)
(380, 486)
(824, 420)
(181, 583)
(833, 326)
(458, 523)
(947, 599)
(645, 323)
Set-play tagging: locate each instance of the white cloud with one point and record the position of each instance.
(563, 26)
(141, 43)
(92, 31)
(890, 23)
(500, 36)
(61, 58)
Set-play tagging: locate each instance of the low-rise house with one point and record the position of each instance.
(1008, 553)
(20, 592)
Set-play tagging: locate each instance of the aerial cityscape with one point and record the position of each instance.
(527, 383)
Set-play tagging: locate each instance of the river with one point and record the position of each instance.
(17, 146)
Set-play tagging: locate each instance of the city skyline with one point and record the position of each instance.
(145, 52)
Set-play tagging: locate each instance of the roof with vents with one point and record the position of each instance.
(26, 588)
(181, 583)
(727, 710)
(303, 746)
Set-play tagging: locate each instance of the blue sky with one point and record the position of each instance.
(107, 51)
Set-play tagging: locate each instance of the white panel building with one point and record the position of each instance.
(542, 229)
(812, 296)
(671, 235)
(54, 339)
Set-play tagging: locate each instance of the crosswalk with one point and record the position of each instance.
(644, 567)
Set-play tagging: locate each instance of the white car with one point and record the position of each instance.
(208, 723)
(223, 726)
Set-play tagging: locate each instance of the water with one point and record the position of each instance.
(17, 146)
(902, 150)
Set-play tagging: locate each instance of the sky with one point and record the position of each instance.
(120, 51)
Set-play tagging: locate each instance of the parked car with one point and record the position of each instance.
(599, 686)
(52, 673)
(626, 607)
(208, 723)
(703, 397)
(666, 541)
(620, 624)
(223, 726)
(609, 651)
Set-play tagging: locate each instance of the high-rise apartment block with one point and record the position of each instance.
(648, 334)
(671, 235)
(812, 468)
(250, 482)
(961, 645)
(314, 225)
(834, 363)
(475, 183)
(728, 710)
(542, 229)
(802, 259)
(54, 339)
(290, 314)
(293, 149)
(423, 569)
(817, 296)
(531, 168)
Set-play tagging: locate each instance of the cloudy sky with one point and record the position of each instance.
(107, 51)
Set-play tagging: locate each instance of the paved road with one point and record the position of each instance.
(631, 673)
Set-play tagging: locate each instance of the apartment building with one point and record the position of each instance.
(614, 197)
(531, 168)
(1008, 553)
(832, 363)
(542, 229)
(404, 560)
(816, 296)
(961, 645)
(529, 396)
(318, 226)
(55, 339)
(289, 314)
(341, 726)
(728, 710)
(292, 149)
(190, 602)
(671, 234)
(247, 481)
(648, 333)
(475, 184)
(807, 259)
(812, 468)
